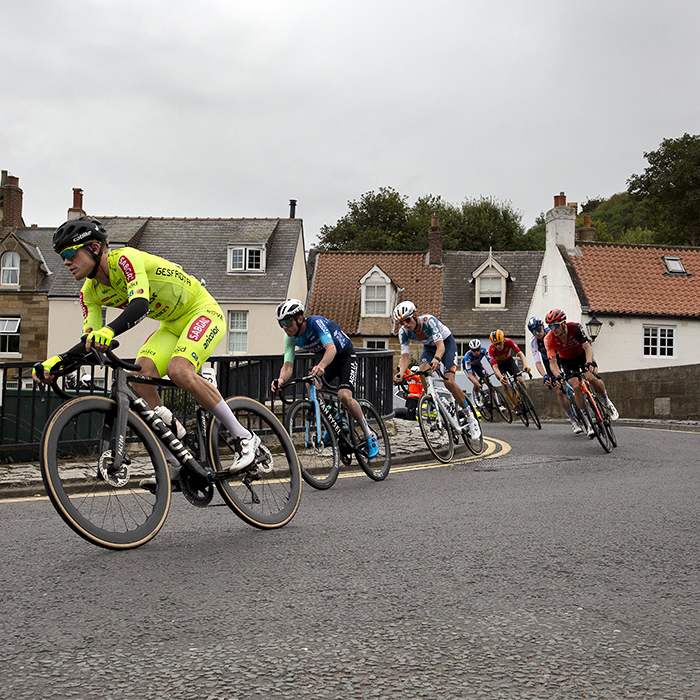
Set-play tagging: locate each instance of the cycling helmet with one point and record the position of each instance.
(555, 316)
(77, 231)
(534, 323)
(289, 309)
(497, 336)
(404, 310)
(474, 344)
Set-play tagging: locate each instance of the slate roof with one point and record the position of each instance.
(458, 300)
(200, 246)
(615, 278)
(336, 292)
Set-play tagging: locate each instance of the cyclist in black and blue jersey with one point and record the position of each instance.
(539, 355)
(473, 365)
(322, 337)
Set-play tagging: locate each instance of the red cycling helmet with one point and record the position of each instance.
(555, 316)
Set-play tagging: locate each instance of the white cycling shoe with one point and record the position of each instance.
(614, 415)
(245, 452)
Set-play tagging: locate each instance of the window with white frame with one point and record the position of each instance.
(237, 332)
(246, 259)
(375, 293)
(9, 264)
(374, 344)
(9, 335)
(545, 284)
(659, 341)
(490, 290)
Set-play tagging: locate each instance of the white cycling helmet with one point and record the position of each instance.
(289, 308)
(404, 310)
(474, 344)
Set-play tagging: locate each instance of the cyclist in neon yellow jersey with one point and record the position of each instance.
(145, 285)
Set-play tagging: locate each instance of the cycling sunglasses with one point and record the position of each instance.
(553, 326)
(286, 322)
(68, 253)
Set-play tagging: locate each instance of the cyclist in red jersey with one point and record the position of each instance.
(569, 350)
(501, 356)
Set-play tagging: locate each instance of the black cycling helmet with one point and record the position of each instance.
(78, 231)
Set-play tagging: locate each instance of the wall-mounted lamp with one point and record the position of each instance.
(593, 326)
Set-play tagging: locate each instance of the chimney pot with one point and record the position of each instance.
(292, 208)
(560, 200)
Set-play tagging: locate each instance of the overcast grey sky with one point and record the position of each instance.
(232, 107)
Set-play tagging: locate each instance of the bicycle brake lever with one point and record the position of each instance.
(98, 356)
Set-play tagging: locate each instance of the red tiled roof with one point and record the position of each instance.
(633, 279)
(336, 292)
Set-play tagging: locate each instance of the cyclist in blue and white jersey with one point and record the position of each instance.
(539, 355)
(440, 346)
(323, 337)
(472, 363)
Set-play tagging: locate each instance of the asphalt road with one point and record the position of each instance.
(552, 570)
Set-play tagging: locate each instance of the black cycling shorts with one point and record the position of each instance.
(510, 366)
(344, 366)
(573, 365)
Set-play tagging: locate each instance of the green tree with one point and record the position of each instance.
(670, 186)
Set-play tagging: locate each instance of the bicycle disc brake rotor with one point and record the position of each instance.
(105, 467)
(197, 491)
(264, 460)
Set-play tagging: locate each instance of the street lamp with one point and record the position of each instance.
(593, 326)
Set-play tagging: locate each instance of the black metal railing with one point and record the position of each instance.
(24, 409)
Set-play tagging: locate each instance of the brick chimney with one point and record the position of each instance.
(435, 240)
(77, 209)
(11, 201)
(585, 232)
(561, 223)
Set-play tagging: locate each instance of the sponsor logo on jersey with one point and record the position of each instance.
(170, 272)
(83, 307)
(198, 328)
(127, 268)
(213, 332)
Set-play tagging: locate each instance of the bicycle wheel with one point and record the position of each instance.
(104, 507)
(475, 444)
(376, 468)
(607, 422)
(486, 408)
(436, 428)
(598, 427)
(530, 408)
(319, 457)
(520, 410)
(501, 404)
(265, 494)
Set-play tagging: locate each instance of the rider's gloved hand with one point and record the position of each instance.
(547, 380)
(42, 370)
(526, 370)
(102, 337)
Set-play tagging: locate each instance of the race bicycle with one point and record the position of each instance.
(97, 450)
(520, 399)
(490, 399)
(325, 434)
(441, 424)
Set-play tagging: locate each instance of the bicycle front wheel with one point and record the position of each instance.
(501, 404)
(530, 408)
(436, 428)
(103, 505)
(318, 453)
(376, 468)
(265, 494)
(597, 423)
(486, 408)
(475, 444)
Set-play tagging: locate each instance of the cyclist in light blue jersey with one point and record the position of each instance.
(323, 337)
(439, 347)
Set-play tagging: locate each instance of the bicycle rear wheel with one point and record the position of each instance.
(436, 428)
(501, 405)
(104, 506)
(319, 456)
(595, 420)
(530, 408)
(265, 494)
(376, 468)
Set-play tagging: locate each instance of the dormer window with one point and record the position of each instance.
(9, 269)
(490, 284)
(375, 287)
(246, 259)
(674, 265)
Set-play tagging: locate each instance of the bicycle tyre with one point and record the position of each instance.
(267, 493)
(76, 437)
(435, 428)
(475, 445)
(319, 461)
(607, 422)
(377, 468)
(523, 411)
(598, 427)
(486, 408)
(502, 405)
(530, 408)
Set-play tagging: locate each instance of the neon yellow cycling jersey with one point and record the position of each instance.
(171, 293)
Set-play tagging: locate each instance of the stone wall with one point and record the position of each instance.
(668, 393)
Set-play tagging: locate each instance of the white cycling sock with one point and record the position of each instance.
(223, 413)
